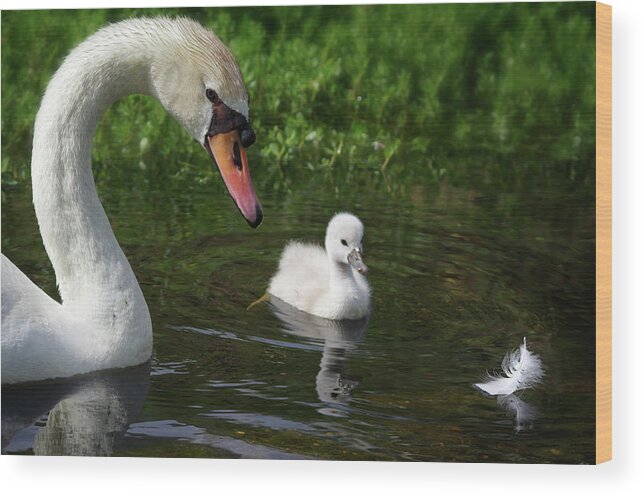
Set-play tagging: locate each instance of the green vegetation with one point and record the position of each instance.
(488, 94)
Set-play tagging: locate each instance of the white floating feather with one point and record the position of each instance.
(522, 369)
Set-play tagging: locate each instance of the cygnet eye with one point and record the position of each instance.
(344, 242)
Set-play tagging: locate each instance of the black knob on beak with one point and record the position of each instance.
(248, 137)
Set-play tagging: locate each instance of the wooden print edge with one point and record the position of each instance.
(603, 232)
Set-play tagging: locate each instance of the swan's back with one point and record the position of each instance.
(16, 289)
(28, 330)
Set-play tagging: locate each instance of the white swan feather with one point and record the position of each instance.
(522, 369)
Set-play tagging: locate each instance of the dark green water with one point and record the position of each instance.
(459, 276)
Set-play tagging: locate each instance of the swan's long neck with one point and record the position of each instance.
(93, 275)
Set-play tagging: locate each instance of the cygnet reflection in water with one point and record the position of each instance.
(79, 416)
(339, 338)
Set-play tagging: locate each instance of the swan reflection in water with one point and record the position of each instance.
(83, 416)
(339, 337)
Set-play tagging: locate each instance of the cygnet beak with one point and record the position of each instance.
(355, 260)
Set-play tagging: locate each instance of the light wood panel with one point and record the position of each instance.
(603, 233)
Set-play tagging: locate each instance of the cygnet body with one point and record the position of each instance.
(329, 283)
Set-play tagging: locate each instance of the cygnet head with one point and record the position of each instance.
(198, 81)
(343, 243)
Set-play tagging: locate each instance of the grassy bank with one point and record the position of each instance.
(500, 94)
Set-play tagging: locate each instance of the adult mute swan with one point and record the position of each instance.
(103, 321)
(328, 283)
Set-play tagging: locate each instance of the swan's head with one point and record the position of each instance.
(344, 237)
(197, 80)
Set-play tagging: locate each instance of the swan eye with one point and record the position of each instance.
(211, 95)
(344, 242)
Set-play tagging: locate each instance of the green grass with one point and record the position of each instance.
(500, 94)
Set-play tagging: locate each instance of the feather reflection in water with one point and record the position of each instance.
(523, 413)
